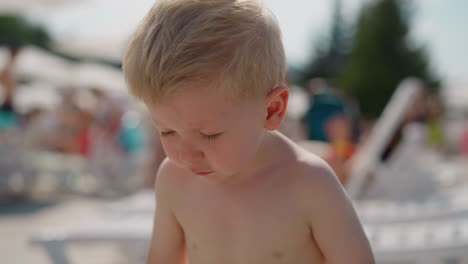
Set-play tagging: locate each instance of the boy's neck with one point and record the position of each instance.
(264, 159)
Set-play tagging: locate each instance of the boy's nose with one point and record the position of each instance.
(190, 155)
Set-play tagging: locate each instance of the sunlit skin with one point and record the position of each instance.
(233, 190)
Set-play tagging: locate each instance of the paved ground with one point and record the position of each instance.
(20, 220)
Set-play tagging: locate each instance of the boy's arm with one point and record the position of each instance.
(167, 243)
(333, 221)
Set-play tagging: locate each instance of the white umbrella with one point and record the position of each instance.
(93, 75)
(103, 45)
(38, 64)
(36, 95)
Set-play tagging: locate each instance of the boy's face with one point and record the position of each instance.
(209, 135)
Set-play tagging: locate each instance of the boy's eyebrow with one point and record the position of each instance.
(201, 130)
(201, 127)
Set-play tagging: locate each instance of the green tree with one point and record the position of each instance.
(382, 56)
(16, 31)
(331, 51)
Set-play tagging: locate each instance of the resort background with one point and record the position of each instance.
(379, 89)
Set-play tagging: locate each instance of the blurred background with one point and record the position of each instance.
(379, 89)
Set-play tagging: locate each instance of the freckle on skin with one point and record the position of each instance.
(277, 255)
(194, 245)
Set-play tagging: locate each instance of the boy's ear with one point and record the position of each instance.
(276, 106)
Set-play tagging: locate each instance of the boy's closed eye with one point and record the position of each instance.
(166, 133)
(205, 136)
(211, 136)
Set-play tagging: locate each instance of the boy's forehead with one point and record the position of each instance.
(163, 119)
(197, 110)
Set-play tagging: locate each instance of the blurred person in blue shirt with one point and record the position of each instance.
(325, 104)
(8, 115)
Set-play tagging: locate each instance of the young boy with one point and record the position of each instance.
(232, 190)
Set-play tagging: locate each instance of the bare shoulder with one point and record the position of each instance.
(165, 172)
(314, 185)
(326, 208)
(168, 177)
(305, 169)
(314, 173)
(329, 212)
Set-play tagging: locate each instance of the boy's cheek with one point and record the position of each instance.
(170, 153)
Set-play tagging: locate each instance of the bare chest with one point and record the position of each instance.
(256, 226)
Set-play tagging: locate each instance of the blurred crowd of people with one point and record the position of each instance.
(109, 131)
(334, 118)
(116, 137)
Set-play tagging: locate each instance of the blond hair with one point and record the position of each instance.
(234, 45)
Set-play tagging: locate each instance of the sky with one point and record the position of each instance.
(440, 26)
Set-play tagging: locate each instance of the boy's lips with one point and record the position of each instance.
(202, 172)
